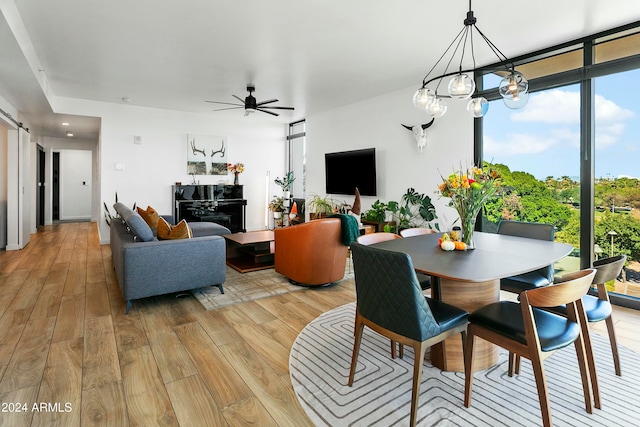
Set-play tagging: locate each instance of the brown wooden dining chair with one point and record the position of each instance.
(598, 308)
(390, 302)
(416, 231)
(525, 329)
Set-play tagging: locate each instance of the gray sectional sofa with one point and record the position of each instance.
(146, 266)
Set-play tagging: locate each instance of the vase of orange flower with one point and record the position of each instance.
(469, 190)
(236, 170)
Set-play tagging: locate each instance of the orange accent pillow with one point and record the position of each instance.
(167, 231)
(150, 216)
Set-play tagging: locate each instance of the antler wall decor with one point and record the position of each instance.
(420, 134)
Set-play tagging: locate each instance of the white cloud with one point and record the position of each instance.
(518, 144)
(559, 106)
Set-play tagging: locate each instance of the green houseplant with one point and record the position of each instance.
(286, 182)
(320, 206)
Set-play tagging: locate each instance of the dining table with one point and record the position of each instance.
(470, 279)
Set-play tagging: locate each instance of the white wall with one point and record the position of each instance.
(75, 184)
(151, 168)
(3, 186)
(377, 123)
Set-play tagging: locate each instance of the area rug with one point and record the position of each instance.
(244, 287)
(381, 393)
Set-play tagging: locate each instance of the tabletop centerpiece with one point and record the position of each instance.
(236, 170)
(469, 190)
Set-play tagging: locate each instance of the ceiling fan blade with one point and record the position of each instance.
(268, 112)
(279, 108)
(266, 102)
(230, 108)
(239, 99)
(225, 103)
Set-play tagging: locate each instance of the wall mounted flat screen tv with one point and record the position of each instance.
(346, 170)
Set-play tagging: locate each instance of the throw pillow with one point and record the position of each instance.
(150, 216)
(167, 231)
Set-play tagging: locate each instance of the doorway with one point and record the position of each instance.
(40, 188)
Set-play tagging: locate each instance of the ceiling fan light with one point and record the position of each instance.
(461, 86)
(437, 108)
(478, 107)
(423, 98)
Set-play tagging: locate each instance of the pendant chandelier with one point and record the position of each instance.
(514, 87)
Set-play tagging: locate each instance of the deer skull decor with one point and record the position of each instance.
(420, 134)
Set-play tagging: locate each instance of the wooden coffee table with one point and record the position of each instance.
(250, 251)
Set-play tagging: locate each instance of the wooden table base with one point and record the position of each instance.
(468, 296)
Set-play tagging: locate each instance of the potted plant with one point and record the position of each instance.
(377, 215)
(320, 206)
(276, 205)
(286, 183)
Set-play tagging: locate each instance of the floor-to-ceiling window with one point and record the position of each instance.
(569, 157)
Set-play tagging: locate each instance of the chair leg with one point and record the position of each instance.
(614, 345)
(468, 366)
(393, 349)
(591, 363)
(541, 385)
(419, 349)
(517, 364)
(356, 349)
(512, 363)
(584, 372)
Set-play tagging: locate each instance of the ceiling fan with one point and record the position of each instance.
(250, 104)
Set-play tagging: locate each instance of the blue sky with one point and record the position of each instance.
(543, 137)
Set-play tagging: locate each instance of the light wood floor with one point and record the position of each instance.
(65, 341)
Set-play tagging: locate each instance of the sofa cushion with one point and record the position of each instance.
(201, 229)
(135, 222)
(167, 231)
(150, 216)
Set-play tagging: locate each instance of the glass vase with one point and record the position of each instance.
(468, 227)
(236, 181)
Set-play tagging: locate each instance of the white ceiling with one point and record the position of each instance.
(314, 55)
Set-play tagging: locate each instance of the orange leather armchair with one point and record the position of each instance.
(311, 253)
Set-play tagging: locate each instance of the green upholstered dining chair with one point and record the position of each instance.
(391, 303)
(533, 279)
(598, 308)
(527, 329)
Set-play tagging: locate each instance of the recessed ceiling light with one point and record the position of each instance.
(127, 100)
(65, 124)
(69, 134)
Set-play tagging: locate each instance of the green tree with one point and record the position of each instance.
(627, 240)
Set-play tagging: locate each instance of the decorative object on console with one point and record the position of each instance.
(469, 190)
(420, 133)
(513, 88)
(356, 208)
(236, 170)
(206, 155)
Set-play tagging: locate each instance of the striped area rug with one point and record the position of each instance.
(380, 396)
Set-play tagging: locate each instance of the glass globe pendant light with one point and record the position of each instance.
(461, 86)
(513, 88)
(478, 107)
(437, 108)
(517, 102)
(513, 85)
(423, 98)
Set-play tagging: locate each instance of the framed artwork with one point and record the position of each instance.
(206, 155)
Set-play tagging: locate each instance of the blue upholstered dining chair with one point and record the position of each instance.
(391, 303)
(533, 279)
(527, 329)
